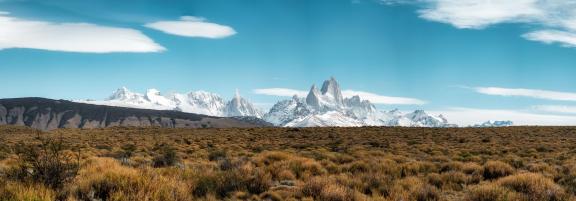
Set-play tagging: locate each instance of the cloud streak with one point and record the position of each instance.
(556, 108)
(282, 92)
(372, 97)
(564, 38)
(530, 93)
(379, 99)
(471, 116)
(71, 37)
(474, 14)
(189, 26)
(554, 21)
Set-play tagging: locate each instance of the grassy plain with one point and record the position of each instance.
(331, 164)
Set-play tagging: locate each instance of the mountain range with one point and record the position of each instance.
(197, 102)
(321, 107)
(327, 107)
(48, 114)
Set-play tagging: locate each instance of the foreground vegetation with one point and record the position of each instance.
(332, 164)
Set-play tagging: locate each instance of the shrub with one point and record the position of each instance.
(427, 193)
(451, 166)
(205, 184)
(229, 181)
(497, 169)
(454, 180)
(489, 193)
(314, 186)
(272, 196)
(166, 158)
(215, 155)
(474, 171)
(259, 182)
(273, 156)
(303, 166)
(374, 183)
(569, 182)
(535, 187)
(286, 175)
(127, 151)
(436, 180)
(4, 149)
(12, 191)
(471, 168)
(106, 179)
(225, 182)
(334, 192)
(46, 163)
(358, 167)
(322, 188)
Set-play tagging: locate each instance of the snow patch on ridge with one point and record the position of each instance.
(199, 102)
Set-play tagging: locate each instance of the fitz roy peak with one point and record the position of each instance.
(321, 107)
(199, 102)
(327, 107)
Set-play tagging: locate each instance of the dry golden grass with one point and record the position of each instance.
(331, 164)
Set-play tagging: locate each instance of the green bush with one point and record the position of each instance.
(45, 163)
(166, 158)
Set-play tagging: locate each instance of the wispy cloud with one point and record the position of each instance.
(283, 92)
(189, 26)
(71, 37)
(379, 99)
(556, 108)
(372, 97)
(471, 116)
(554, 20)
(564, 38)
(531, 93)
(474, 14)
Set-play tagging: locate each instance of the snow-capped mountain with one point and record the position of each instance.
(239, 106)
(494, 124)
(327, 107)
(199, 102)
(321, 107)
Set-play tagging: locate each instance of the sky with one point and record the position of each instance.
(469, 60)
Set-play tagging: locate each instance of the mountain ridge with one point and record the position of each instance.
(49, 114)
(197, 102)
(322, 106)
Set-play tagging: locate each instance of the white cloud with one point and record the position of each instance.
(480, 13)
(379, 99)
(566, 39)
(72, 37)
(283, 92)
(531, 93)
(554, 21)
(374, 98)
(193, 27)
(556, 108)
(471, 116)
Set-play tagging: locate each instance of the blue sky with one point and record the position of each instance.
(433, 54)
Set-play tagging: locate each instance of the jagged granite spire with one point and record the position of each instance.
(331, 88)
(313, 98)
(239, 106)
